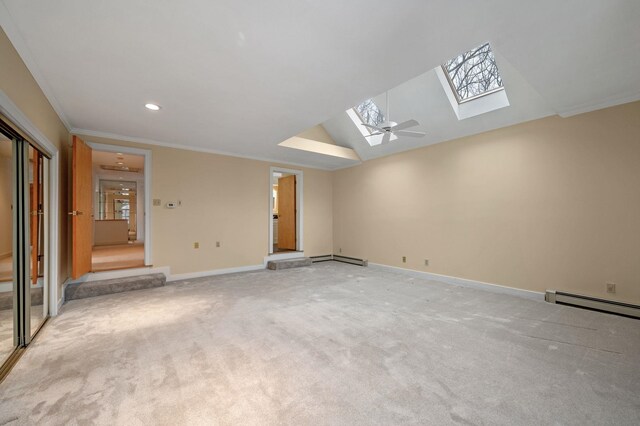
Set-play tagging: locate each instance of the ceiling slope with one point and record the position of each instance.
(240, 77)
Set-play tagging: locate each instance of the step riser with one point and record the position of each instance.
(6, 298)
(275, 265)
(116, 285)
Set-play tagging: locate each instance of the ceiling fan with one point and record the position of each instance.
(389, 128)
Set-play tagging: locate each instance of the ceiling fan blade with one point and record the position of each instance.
(373, 134)
(386, 138)
(405, 125)
(409, 133)
(369, 126)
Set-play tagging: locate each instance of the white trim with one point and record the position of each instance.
(166, 270)
(114, 136)
(7, 24)
(590, 106)
(119, 273)
(54, 229)
(463, 282)
(299, 206)
(61, 302)
(148, 258)
(191, 275)
(283, 256)
(46, 282)
(13, 113)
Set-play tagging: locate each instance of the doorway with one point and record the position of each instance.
(118, 210)
(110, 218)
(285, 211)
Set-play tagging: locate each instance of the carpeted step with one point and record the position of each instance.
(298, 262)
(116, 285)
(6, 298)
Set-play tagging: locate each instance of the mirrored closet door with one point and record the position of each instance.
(24, 230)
(7, 344)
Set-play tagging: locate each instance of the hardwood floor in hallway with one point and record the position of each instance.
(122, 256)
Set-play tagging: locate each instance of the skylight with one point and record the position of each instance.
(473, 73)
(369, 113)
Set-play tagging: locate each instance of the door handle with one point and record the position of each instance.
(75, 213)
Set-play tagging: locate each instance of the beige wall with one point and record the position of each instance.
(223, 199)
(552, 203)
(549, 204)
(18, 84)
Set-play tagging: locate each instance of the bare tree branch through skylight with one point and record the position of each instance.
(474, 73)
(370, 113)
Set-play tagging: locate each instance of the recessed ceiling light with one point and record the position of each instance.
(119, 163)
(118, 153)
(152, 107)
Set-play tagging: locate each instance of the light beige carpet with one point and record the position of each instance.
(326, 344)
(6, 329)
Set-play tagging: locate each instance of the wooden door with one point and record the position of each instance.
(287, 213)
(81, 217)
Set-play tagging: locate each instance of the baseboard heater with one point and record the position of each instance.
(594, 303)
(338, 258)
(325, 258)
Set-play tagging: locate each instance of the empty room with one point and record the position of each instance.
(320, 213)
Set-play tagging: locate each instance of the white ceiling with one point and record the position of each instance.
(100, 158)
(239, 77)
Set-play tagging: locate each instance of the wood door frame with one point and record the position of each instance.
(146, 153)
(299, 207)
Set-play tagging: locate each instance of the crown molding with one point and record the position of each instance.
(133, 139)
(594, 106)
(9, 27)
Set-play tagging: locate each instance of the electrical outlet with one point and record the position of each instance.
(217, 243)
(404, 259)
(426, 262)
(157, 202)
(611, 287)
(196, 245)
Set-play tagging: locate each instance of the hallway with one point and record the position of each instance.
(122, 256)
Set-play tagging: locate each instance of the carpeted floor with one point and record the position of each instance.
(6, 330)
(326, 344)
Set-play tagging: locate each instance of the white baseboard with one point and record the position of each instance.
(119, 273)
(283, 256)
(463, 282)
(191, 275)
(61, 301)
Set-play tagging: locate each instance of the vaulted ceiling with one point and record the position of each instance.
(239, 77)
